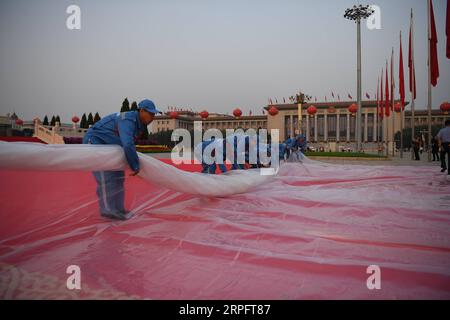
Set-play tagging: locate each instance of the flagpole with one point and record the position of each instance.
(392, 103)
(383, 118)
(402, 98)
(429, 80)
(378, 110)
(359, 93)
(413, 87)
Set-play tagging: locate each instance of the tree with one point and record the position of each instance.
(97, 117)
(53, 121)
(134, 106)
(58, 119)
(90, 120)
(83, 123)
(162, 138)
(125, 105)
(45, 123)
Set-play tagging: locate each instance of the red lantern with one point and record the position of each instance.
(353, 108)
(445, 107)
(312, 110)
(204, 114)
(237, 113)
(398, 107)
(332, 110)
(19, 122)
(173, 115)
(75, 119)
(273, 111)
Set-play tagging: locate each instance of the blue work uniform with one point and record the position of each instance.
(293, 144)
(117, 129)
(235, 141)
(199, 152)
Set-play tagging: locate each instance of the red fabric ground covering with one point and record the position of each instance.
(261, 245)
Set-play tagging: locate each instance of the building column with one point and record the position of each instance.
(292, 127)
(338, 129)
(348, 126)
(307, 128)
(315, 128)
(325, 127)
(366, 117)
(375, 127)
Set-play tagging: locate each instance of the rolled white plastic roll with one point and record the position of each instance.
(40, 157)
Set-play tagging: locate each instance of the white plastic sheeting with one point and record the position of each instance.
(31, 156)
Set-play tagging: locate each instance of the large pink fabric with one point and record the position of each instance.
(310, 233)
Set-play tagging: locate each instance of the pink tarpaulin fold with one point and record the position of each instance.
(309, 233)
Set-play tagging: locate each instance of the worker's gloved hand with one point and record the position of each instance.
(134, 173)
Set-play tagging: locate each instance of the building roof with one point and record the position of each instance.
(213, 117)
(325, 105)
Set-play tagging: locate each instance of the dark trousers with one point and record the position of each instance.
(445, 152)
(435, 155)
(416, 154)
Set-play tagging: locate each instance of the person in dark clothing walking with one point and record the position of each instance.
(444, 143)
(417, 142)
(435, 149)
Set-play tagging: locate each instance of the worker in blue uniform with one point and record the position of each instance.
(297, 143)
(119, 129)
(209, 160)
(236, 145)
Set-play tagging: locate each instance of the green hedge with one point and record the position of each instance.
(343, 155)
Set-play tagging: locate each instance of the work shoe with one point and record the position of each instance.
(114, 215)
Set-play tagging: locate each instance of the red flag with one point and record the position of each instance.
(350, 97)
(378, 96)
(381, 95)
(387, 111)
(434, 63)
(401, 75)
(392, 79)
(447, 29)
(411, 64)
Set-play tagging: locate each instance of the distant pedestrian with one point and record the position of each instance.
(416, 143)
(444, 143)
(435, 148)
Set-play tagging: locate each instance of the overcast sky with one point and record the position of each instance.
(214, 55)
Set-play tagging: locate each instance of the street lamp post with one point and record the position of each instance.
(357, 13)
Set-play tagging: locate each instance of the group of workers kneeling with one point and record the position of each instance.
(237, 149)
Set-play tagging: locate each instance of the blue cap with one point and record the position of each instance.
(149, 106)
